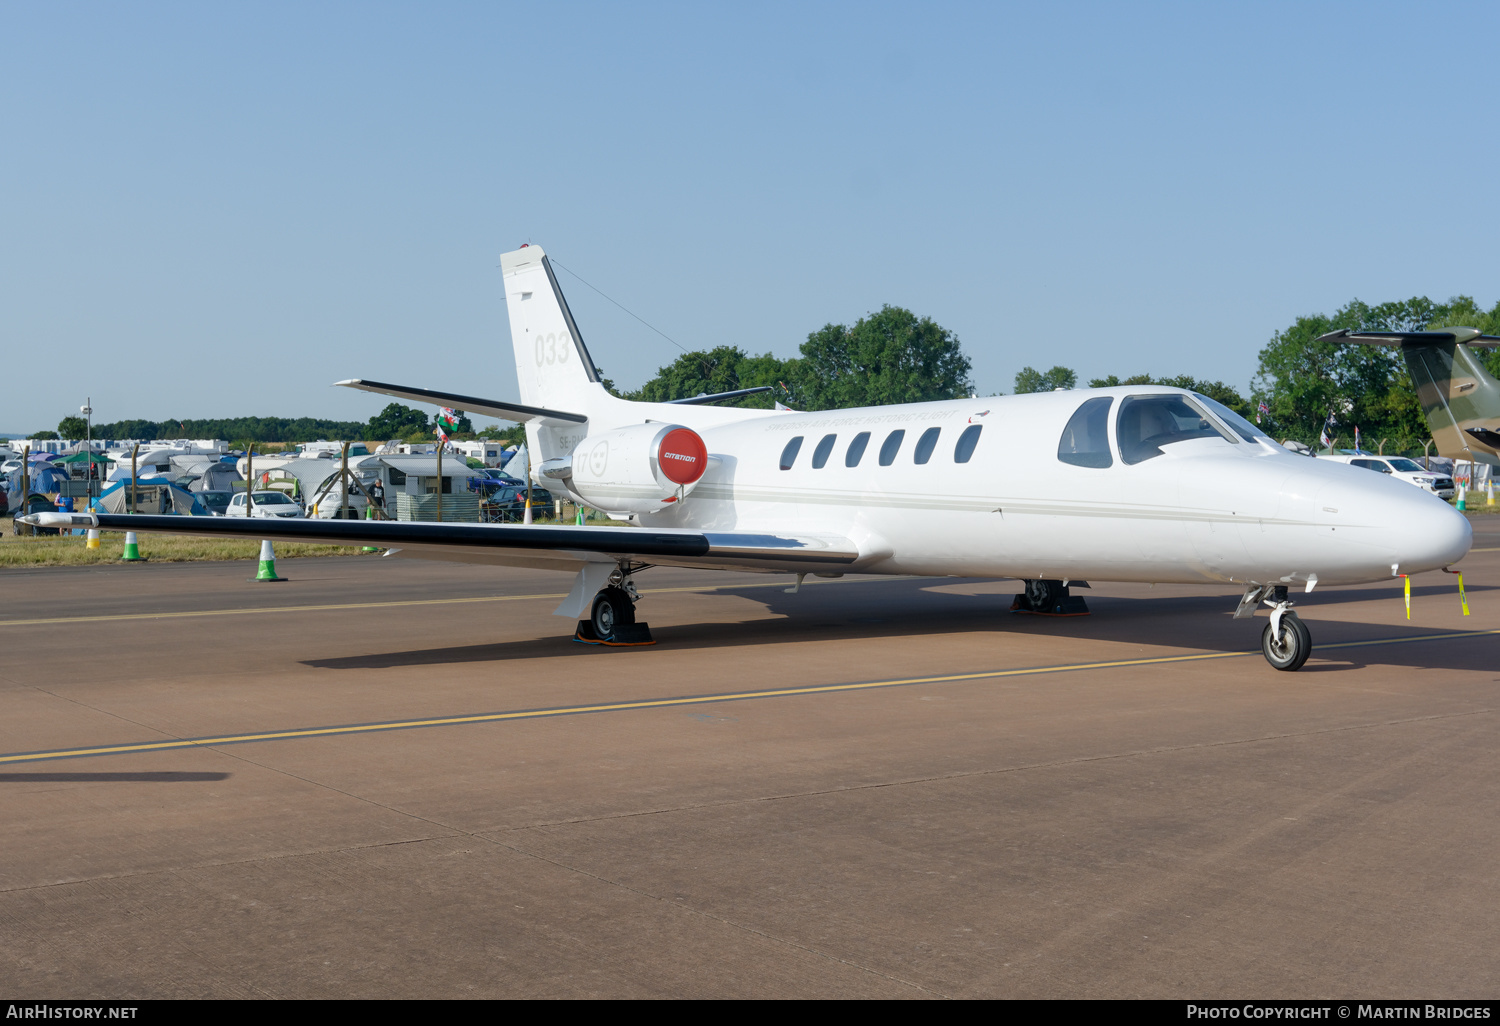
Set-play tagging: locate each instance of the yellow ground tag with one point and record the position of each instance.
(1407, 579)
(1463, 600)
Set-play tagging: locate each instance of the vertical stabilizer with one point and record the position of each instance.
(552, 364)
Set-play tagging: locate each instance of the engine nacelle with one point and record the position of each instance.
(639, 469)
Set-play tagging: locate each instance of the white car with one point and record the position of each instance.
(267, 504)
(1403, 469)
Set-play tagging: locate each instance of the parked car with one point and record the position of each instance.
(267, 504)
(1400, 467)
(216, 502)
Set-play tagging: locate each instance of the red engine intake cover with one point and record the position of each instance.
(682, 457)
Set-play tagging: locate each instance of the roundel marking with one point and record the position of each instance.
(599, 459)
(683, 457)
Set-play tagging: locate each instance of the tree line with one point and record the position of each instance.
(892, 356)
(895, 356)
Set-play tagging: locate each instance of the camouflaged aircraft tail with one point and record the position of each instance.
(1459, 397)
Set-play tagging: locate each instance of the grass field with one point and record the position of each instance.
(70, 550)
(66, 550)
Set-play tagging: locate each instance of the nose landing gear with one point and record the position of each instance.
(1286, 641)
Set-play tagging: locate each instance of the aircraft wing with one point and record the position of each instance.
(467, 403)
(544, 546)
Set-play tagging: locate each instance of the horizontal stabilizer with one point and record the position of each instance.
(1436, 337)
(467, 403)
(699, 400)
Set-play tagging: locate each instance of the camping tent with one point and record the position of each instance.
(153, 495)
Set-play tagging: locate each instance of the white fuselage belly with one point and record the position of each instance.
(1204, 511)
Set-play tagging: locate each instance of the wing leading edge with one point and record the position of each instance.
(561, 547)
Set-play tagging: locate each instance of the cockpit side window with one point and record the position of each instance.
(1085, 441)
(1148, 422)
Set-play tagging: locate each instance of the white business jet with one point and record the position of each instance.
(1133, 483)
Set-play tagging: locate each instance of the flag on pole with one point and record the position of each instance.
(1356, 438)
(1326, 437)
(446, 421)
(1261, 408)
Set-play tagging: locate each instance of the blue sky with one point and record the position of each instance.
(220, 209)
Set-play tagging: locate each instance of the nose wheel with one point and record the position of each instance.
(1286, 641)
(1286, 644)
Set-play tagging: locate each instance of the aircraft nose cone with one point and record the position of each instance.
(1439, 536)
(1420, 531)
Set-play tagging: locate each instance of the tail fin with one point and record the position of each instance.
(553, 366)
(1459, 398)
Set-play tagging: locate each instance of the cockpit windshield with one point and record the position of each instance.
(1148, 422)
(1242, 427)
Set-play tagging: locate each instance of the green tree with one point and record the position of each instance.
(397, 421)
(724, 369)
(43, 436)
(1139, 379)
(73, 427)
(513, 435)
(888, 357)
(1304, 381)
(1029, 379)
(1462, 311)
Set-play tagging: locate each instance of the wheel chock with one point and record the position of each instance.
(627, 635)
(630, 635)
(1073, 605)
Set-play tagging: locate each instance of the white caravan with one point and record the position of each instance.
(1133, 483)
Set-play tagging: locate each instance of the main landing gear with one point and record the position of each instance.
(1050, 598)
(1286, 641)
(612, 619)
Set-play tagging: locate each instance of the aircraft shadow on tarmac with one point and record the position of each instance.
(110, 778)
(910, 608)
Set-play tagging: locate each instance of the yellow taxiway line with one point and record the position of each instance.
(686, 700)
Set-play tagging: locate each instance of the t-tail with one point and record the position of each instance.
(1459, 397)
(553, 365)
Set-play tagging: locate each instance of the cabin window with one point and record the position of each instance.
(1148, 422)
(926, 444)
(398, 477)
(820, 454)
(966, 442)
(857, 449)
(1085, 441)
(789, 454)
(890, 447)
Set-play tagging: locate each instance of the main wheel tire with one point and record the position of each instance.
(612, 609)
(1044, 596)
(1291, 650)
